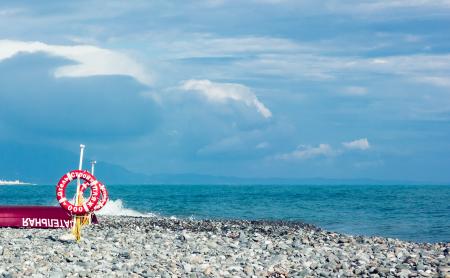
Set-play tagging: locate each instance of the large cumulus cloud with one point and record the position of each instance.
(36, 104)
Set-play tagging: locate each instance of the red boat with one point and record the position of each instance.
(43, 217)
(59, 217)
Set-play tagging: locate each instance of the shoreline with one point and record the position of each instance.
(13, 182)
(168, 247)
(298, 224)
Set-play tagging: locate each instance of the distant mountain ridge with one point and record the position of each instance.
(44, 165)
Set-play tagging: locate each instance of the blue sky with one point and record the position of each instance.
(262, 88)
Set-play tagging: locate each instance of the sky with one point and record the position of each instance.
(257, 88)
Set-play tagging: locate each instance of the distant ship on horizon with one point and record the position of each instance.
(14, 182)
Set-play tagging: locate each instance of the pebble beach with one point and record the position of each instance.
(122, 246)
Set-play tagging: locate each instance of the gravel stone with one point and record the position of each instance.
(170, 247)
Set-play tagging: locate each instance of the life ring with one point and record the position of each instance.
(86, 206)
(103, 193)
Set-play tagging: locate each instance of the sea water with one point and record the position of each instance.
(418, 213)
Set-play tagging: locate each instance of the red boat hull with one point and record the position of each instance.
(40, 217)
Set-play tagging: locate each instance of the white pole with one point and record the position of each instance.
(93, 166)
(80, 167)
(92, 172)
(81, 156)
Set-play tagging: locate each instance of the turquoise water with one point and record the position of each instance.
(409, 212)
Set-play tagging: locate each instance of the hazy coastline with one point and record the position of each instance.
(13, 182)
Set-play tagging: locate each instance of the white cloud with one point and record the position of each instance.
(215, 3)
(262, 145)
(207, 45)
(383, 5)
(90, 60)
(10, 12)
(438, 81)
(359, 144)
(272, 1)
(317, 67)
(224, 92)
(306, 152)
(355, 91)
(378, 6)
(307, 66)
(357, 6)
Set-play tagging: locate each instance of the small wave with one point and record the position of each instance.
(116, 208)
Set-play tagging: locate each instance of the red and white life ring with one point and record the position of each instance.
(103, 193)
(86, 206)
